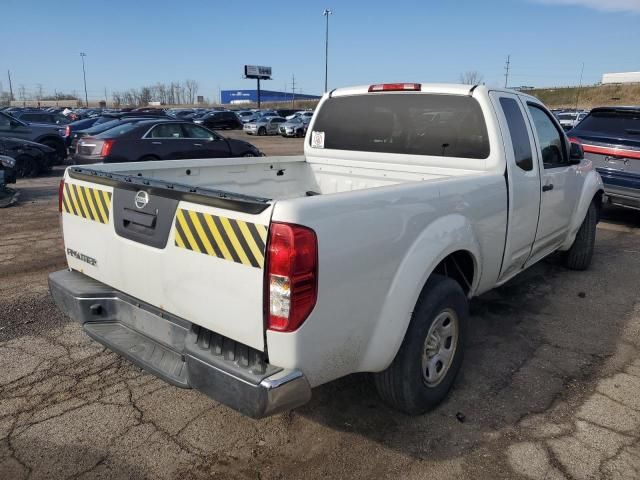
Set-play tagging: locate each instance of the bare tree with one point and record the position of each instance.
(472, 77)
(192, 90)
(39, 92)
(22, 93)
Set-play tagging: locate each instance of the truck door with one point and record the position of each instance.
(560, 179)
(523, 182)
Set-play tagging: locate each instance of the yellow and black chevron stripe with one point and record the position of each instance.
(86, 202)
(226, 238)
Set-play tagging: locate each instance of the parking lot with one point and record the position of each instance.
(550, 387)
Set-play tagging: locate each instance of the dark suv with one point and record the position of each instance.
(220, 121)
(42, 117)
(610, 137)
(49, 135)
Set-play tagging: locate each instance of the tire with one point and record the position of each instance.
(61, 150)
(27, 166)
(262, 131)
(579, 256)
(248, 154)
(413, 383)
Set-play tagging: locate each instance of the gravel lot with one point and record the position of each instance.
(550, 387)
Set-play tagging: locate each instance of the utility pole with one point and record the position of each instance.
(105, 96)
(506, 74)
(10, 87)
(579, 86)
(293, 91)
(84, 75)
(326, 13)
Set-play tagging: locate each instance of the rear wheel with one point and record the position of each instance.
(249, 154)
(27, 166)
(262, 131)
(579, 256)
(431, 353)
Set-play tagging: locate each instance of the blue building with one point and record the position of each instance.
(251, 96)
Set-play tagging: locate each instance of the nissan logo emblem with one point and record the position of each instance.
(142, 198)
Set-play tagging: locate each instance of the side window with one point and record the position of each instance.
(194, 131)
(518, 132)
(167, 130)
(551, 145)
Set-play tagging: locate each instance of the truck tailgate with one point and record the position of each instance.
(193, 253)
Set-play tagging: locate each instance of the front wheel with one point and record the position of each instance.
(262, 131)
(61, 151)
(430, 356)
(579, 256)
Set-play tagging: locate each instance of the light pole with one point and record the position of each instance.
(326, 13)
(84, 75)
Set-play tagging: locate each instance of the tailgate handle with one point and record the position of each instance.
(142, 219)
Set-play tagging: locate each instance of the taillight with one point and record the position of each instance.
(106, 147)
(292, 276)
(574, 140)
(395, 87)
(60, 195)
(67, 131)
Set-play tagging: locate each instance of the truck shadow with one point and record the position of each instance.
(527, 341)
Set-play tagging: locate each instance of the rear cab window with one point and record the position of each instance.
(405, 123)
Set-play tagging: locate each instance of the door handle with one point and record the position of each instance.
(157, 143)
(546, 188)
(197, 144)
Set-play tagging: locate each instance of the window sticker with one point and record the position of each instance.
(317, 139)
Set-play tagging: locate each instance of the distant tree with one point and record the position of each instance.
(472, 77)
(192, 90)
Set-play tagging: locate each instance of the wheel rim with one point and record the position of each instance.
(440, 347)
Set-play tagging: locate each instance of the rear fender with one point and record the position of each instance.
(592, 186)
(441, 238)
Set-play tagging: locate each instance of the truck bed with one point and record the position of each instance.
(278, 178)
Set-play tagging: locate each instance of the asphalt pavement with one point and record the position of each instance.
(550, 386)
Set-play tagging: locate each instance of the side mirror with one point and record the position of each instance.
(576, 153)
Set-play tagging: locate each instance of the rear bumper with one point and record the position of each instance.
(621, 188)
(183, 354)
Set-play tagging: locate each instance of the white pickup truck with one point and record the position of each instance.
(254, 280)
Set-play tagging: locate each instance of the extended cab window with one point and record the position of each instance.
(405, 123)
(518, 132)
(551, 145)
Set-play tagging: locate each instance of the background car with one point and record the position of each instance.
(263, 126)
(568, 120)
(73, 127)
(31, 158)
(610, 137)
(49, 135)
(159, 140)
(100, 127)
(296, 127)
(220, 121)
(246, 116)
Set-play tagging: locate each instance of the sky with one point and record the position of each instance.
(141, 42)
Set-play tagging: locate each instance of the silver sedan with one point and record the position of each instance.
(264, 126)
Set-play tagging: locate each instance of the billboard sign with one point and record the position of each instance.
(255, 71)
